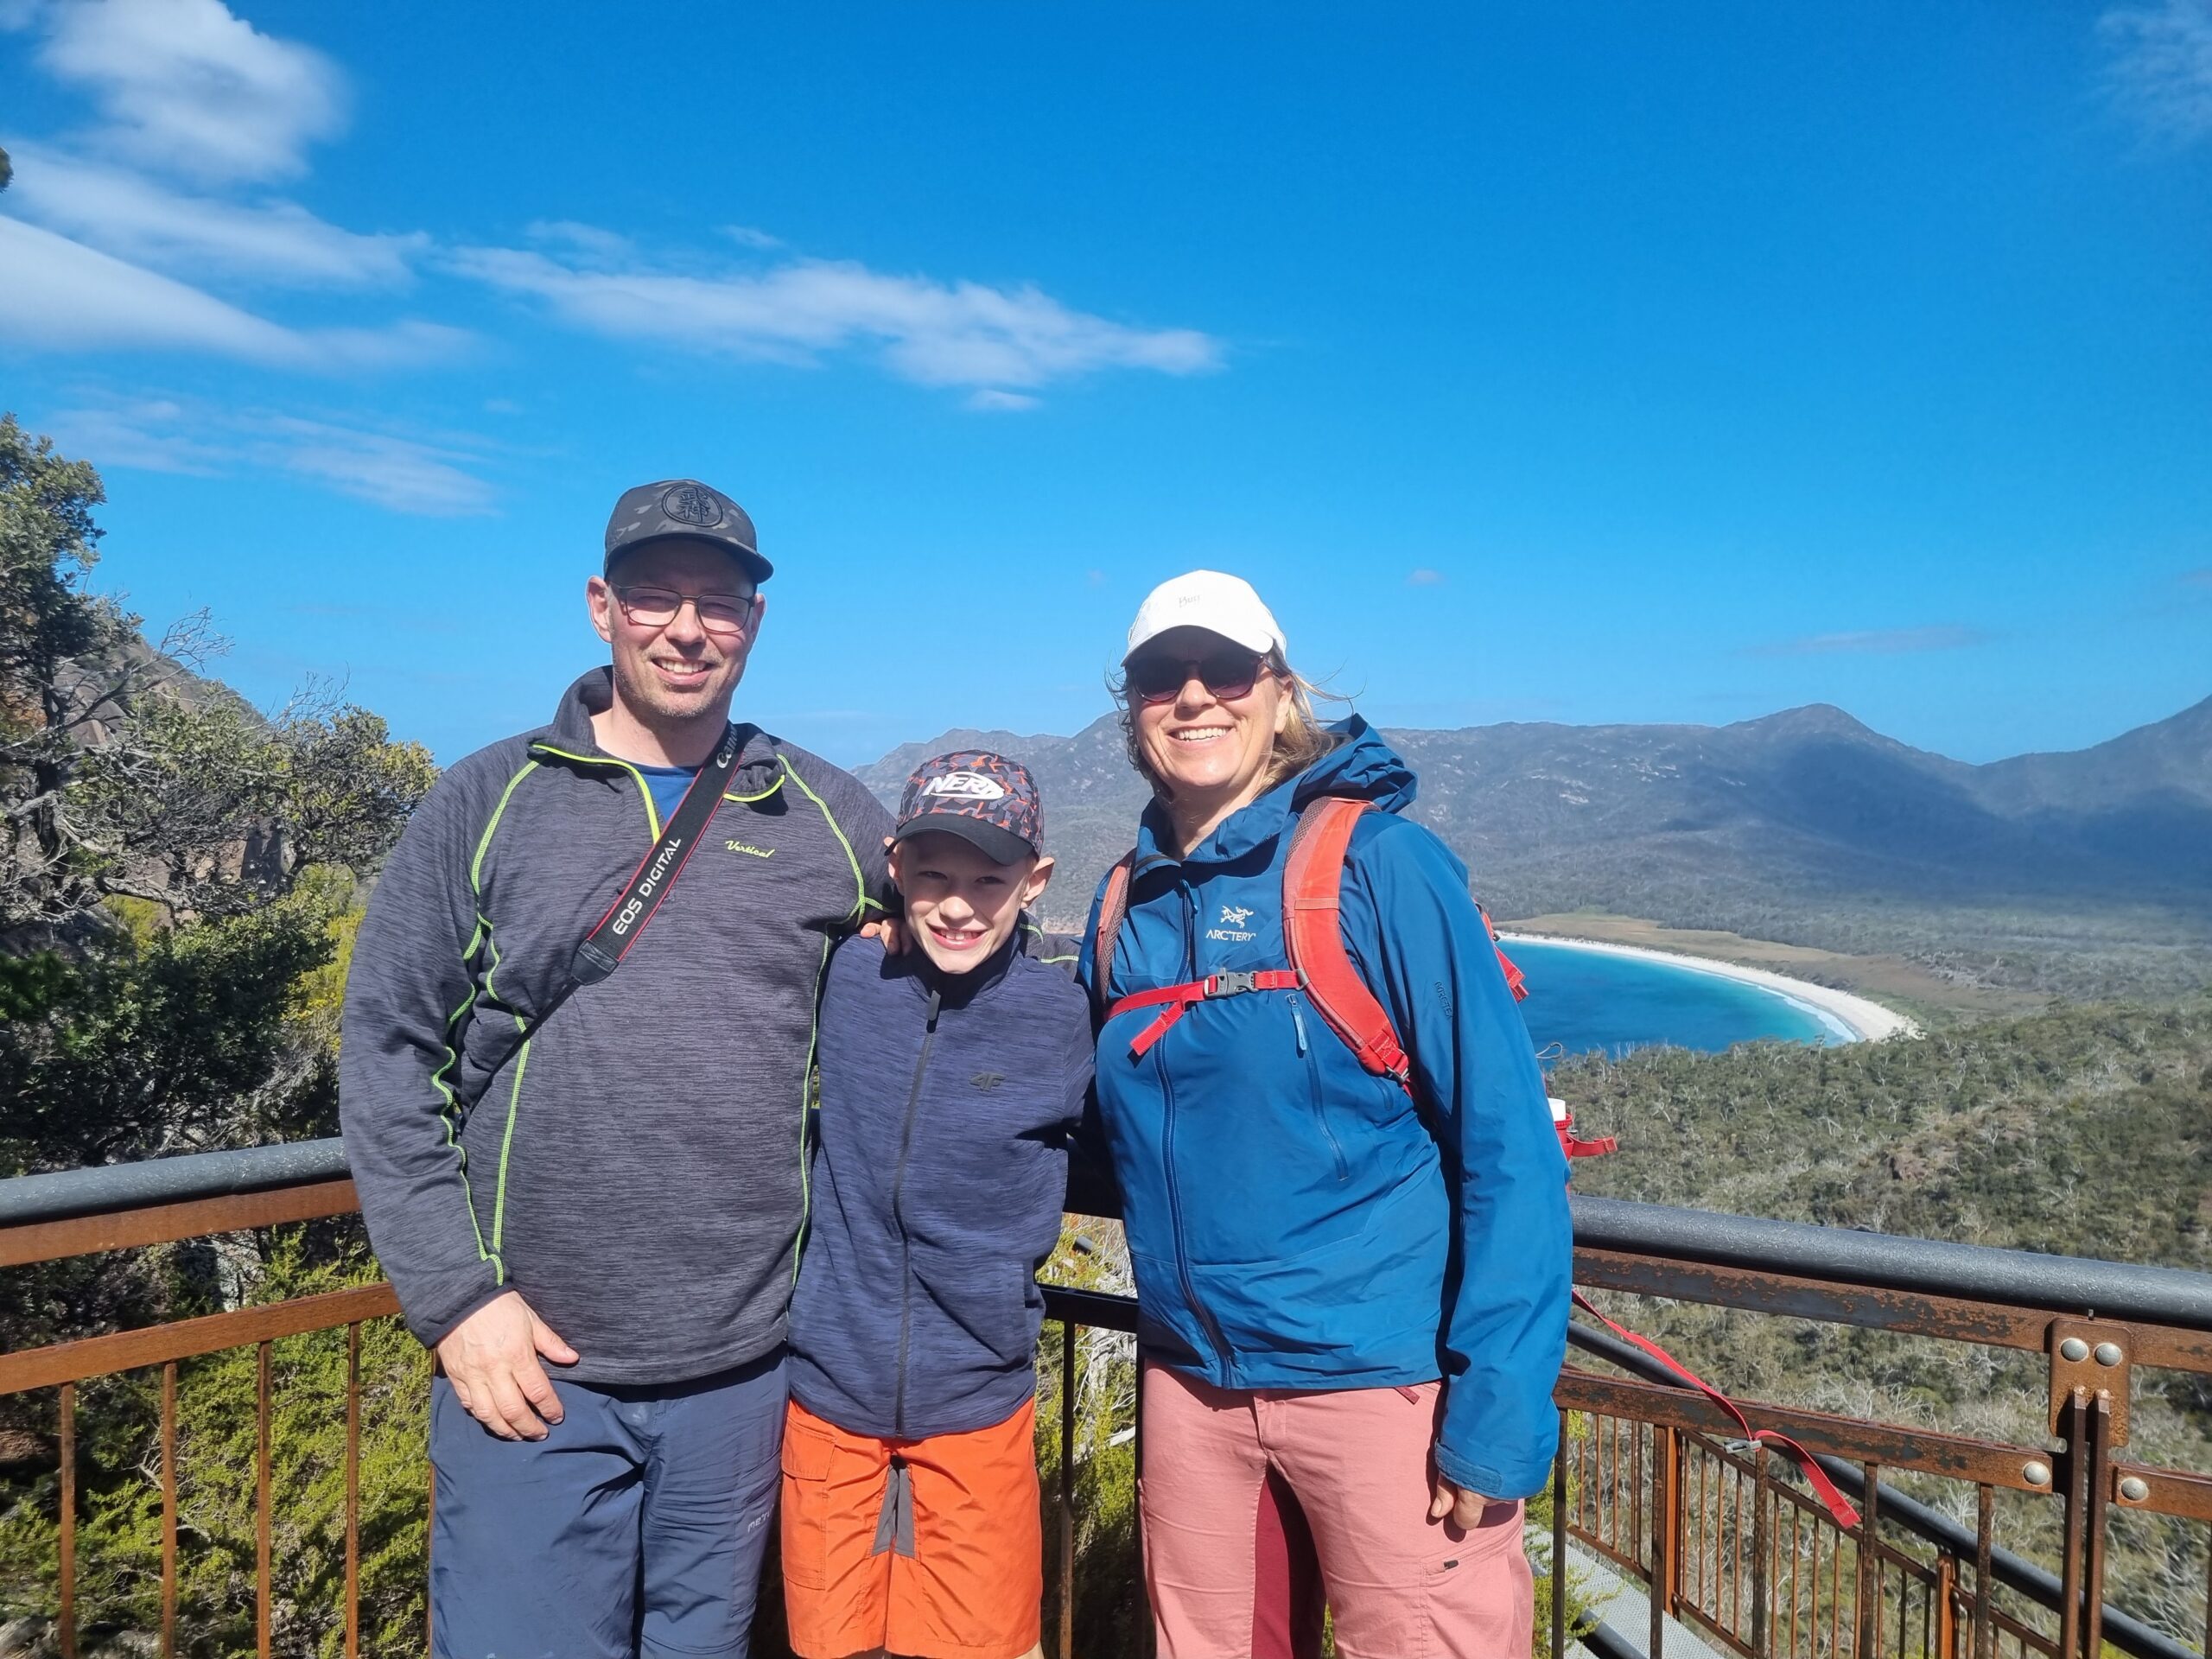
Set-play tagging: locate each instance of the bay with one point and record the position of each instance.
(1588, 1000)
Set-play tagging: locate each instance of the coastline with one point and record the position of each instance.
(1853, 1019)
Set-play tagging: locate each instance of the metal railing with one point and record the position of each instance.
(1652, 1480)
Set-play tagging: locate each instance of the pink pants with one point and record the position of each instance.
(1401, 1585)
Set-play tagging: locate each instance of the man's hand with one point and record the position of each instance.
(491, 1359)
(1462, 1507)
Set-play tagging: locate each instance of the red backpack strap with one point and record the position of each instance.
(1516, 981)
(1312, 931)
(1113, 911)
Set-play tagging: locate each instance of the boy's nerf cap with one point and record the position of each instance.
(984, 799)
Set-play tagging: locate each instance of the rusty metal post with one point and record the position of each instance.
(1067, 1489)
(1559, 1543)
(1666, 1536)
(168, 1510)
(2074, 1424)
(1947, 1613)
(1868, 1626)
(67, 1498)
(1985, 1637)
(353, 1491)
(263, 1518)
(2099, 1481)
(1761, 1545)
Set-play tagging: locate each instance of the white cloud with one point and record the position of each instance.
(1424, 577)
(405, 474)
(747, 236)
(939, 333)
(589, 240)
(2161, 70)
(183, 84)
(128, 215)
(992, 399)
(64, 297)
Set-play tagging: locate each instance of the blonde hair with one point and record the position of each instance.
(1302, 740)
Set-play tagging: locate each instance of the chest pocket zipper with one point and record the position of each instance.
(1314, 1090)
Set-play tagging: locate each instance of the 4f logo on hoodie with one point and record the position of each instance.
(1231, 930)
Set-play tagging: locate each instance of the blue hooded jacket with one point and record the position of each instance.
(1297, 1223)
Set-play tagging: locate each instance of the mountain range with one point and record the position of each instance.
(1806, 808)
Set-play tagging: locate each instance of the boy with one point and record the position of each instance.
(952, 1076)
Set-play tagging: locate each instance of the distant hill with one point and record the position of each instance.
(1803, 811)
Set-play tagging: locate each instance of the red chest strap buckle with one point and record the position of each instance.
(1175, 1000)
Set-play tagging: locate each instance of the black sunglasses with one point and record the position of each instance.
(656, 608)
(1227, 674)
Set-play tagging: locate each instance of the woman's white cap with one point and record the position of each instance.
(1206, 599)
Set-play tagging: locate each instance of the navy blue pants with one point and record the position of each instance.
(634, 1530)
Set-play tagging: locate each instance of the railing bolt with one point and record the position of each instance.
(2073, 1349)
(2108, 1353)
(2135, 1489)
(2036, 1474)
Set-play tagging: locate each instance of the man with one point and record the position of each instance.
(595, 1220)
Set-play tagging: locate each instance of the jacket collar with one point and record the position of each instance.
(571, 736)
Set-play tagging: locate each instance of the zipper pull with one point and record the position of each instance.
(1298, 1020)
(934, 1000)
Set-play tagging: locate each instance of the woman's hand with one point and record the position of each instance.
(1461, 1506)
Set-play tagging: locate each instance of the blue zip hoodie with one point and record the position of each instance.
(938, 1179)
(1296, 1223)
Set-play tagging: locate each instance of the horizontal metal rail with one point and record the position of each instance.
(2110, 1290)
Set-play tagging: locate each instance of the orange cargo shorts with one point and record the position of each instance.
(932, 1547)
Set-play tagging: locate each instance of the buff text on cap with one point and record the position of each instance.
(684, 509)
(986, 799)
(1207, 599)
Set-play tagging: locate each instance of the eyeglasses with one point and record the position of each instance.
(656, 608)
(1228, 674)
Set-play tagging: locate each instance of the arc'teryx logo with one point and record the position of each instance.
(1232, 930)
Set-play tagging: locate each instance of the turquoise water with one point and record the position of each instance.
(1584, 999)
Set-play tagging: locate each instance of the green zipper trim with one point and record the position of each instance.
(747, 800)
(514, 1093)
(652, 813)
(450, 1114)
(859, 886)
(484, 841)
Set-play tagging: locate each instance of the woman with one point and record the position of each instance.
(1355, 1282)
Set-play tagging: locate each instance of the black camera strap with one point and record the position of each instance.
(641, 900)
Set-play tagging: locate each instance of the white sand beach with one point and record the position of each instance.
(1854, 1019)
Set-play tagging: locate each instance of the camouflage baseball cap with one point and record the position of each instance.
(985, 798)
(684, 509)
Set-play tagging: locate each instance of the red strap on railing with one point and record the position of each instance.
(1175, 1000)
(1830, 1494)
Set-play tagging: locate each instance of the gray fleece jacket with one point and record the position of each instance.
(636, 1168)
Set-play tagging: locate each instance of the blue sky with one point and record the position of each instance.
(1602, 363)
